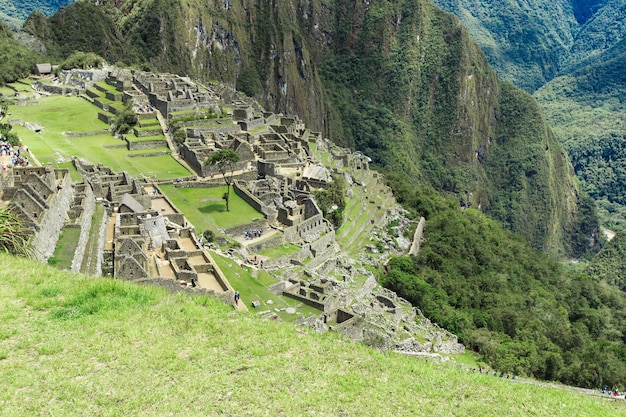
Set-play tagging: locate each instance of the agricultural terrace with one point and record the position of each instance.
(59, 115)
(205, 208)
(253, 285)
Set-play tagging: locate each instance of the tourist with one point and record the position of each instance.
(237, 296)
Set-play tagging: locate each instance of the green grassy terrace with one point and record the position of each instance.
(72, 114)
(72, 345)
(205, 209)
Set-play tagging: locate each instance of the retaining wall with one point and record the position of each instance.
(88, 206)
(53, 220)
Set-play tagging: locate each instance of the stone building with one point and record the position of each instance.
(42, 197)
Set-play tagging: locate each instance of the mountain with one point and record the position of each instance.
(570, 53)
(16, 61)
(531, 42)
(401, 81)
(609, 265)
(15, 12)
(586, 108)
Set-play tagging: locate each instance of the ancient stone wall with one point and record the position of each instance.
(261, 224)
(274, 241)
(251, 124)
(145, 144)
(45, 241)
(85, 134)
(58, 89)
(249, 198)
(323, 242)
(322, 257)
(88, 206)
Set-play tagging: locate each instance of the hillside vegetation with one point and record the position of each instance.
(108, 347)
(571, 54)
(530, 43)
(586, 109)
(16, 61)
(523, 312)
(610, 264)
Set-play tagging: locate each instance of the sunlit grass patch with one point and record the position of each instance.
(108, 347)
(205, 208)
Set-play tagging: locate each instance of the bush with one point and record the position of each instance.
(208, 235)
(125, 121)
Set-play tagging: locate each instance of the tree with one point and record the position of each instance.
(125, 120)
(225, 159)
(5, 102)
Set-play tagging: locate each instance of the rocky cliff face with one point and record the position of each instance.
(399, 80)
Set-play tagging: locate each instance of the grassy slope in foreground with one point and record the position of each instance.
(107, 347)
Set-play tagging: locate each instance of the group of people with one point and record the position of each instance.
(145, 109)
(613, 393)
(253, 233)
(494, 373)
(17, 159)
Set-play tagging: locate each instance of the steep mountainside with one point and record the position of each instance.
(401, 81)
(531, 42)
(609, 265)
(15, 60)
(587, 107)
(15, 12)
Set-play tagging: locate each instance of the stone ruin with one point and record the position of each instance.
(41, 196)
(145, 239)
(148, 239)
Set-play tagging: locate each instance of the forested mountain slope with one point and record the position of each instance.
(15, 12)
(523, 312)
(587, 111)
(400, 80)
(531, 42)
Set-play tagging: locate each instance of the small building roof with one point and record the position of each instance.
(44, 69)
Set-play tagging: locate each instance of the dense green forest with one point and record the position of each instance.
(16, 61)
(493, 151)
(586, 109)
(15, 12)
(610, 264)
(523, 312)
(530, 43)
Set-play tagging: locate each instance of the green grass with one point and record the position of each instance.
(107, 87)
(6, 91)
(65, 248)
(22, 86)
(133, 138)
(108, 347)
(51, 145)
(254, 288)
(205, 209)
(279, 251)
(78, 115)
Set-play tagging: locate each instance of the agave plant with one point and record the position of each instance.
(14, 236)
